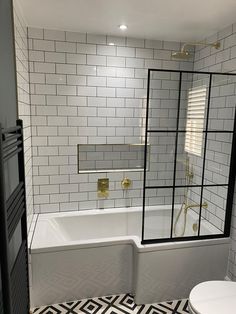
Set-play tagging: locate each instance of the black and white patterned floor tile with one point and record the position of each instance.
(115, 304)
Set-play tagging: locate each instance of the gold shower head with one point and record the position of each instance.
(185, 54)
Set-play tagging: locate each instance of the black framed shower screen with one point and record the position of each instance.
(170, 126)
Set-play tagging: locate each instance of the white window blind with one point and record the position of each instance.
(195, 120)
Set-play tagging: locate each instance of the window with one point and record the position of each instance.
(195, 120)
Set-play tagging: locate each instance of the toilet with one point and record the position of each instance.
(213, 297)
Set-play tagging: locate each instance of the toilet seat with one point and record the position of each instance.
(213, 297)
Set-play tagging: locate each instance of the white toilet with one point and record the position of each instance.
(213, 297)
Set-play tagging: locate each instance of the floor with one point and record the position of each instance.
(115, 304)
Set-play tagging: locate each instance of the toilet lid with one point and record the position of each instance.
(214, 297)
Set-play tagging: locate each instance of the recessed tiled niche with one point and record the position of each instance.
(110, 157)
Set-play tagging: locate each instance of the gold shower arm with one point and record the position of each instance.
(216, 45)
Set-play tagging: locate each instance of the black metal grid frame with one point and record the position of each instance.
(232, 169)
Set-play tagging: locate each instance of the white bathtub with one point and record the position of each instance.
(85, 254)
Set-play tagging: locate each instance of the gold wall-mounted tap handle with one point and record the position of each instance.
(126, 183)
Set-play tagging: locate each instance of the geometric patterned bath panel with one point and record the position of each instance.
(115, 304)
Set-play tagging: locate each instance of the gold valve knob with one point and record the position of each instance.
(126, 183)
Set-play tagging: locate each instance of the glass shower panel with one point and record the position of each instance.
(161, 158)
(158, 212)
(163, 100)
(217, 161)
(189, 164)
(186, 211)
(222, 104)
(188, 173)
(213, 217)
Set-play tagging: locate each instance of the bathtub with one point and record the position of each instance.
(76, 255)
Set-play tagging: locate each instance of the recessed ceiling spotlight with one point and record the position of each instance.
(123, 27)
(111, 44)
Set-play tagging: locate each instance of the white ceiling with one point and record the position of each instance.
(179, 20)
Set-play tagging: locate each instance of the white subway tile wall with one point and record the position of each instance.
(85, 91)
(24, 109)
(224, 100)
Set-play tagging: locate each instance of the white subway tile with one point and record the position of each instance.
(65, 47)
(106, 112)
(44, 67)
(124, 72)
(96, 81)
(86, 91)
(76, 37)
(77, 121)
(57, 57)
(54, 35)
(38, 180)
(157, 44)
(57, 121)
(77, 101)
(106, 71)
(96, 102)
(35, 33)
(41, 199)
(59, 179)
(45, 89)
(125, 52)
(56, 100)
(115, 61)
(134, 83)
(49, 208)
(116, 122)
(104, 131)
(39, 141)
(49, 189)
(37, 78)
(144, 53)
(58, 160)
(106, 50)
(45, 45)
(48, 170)
(46, 131)
(125, 92)
(67, 111)
(38, 120)
(118, 41)
(106, 92)
(86, 49)
(115, 82)
(55, 79)
(96, 39)
(66, 90)
(87, 131)
(66, 68)
(47, 151)
(40, 161)
(86, 70)
(76, 80)
(76, 58)
(96, 60)
(67, 131)
(135, 42)
(59, 198)
(134, 63)
(36, 55)
(96, 121)
(57, 140)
